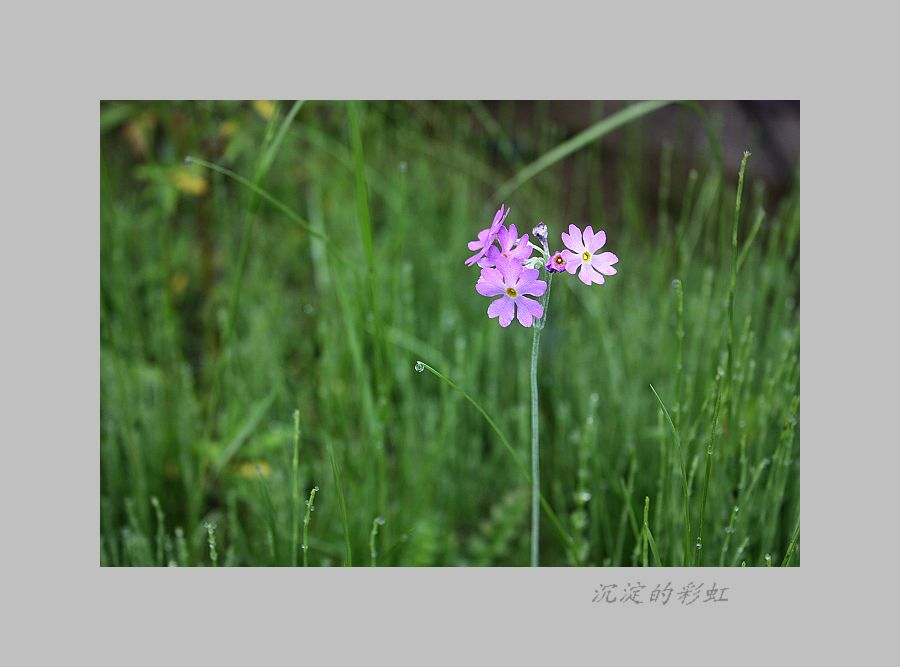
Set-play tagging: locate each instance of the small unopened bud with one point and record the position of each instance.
(540, 232)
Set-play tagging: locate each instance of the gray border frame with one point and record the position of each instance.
(60, 604)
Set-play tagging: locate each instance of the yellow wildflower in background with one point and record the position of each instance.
(189, 182)
(249, 469)
(228, 129)
(265, 108)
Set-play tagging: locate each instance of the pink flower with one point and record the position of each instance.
(512, 282)
(556, 262)
(507, 238)
(581, 253)
(486, 236)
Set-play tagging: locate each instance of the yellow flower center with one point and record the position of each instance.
(586, 256)
(511, 292)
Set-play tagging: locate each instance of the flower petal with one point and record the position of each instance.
(490, 283)
(504, 308)
(587, 275)
(512, 234)
(522, 251)
(527, 310)
(596, 242)
(474, 258)
(588, 235)
(503, 239)
(572, 240)
(573, 261)
(499, 218)
(524, 317)
(510, 268)
(529, 284)
(604, 263)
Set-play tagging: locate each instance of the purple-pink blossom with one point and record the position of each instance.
(513, 283)
(509, 248)
(556, 263)
(582, 255)
(487, 236)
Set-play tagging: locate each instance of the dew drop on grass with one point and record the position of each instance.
(419, 367)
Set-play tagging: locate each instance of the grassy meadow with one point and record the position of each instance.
(264, 305)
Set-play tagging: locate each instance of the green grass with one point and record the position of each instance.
(325, 258)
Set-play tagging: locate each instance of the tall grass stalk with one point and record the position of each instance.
(306, 519)
(723, 384)
(295, 490)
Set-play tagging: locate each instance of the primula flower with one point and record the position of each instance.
(486, 236)
(507, 238)
(556, 262)
(512, 282)
(581, 254)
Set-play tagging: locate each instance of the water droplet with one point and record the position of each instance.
(698, 545)
(676, 283)
(584, 496)
(379, 521)
(737, 509)
(419, 367)
(303, 546)
(316, 488)
(729, 530)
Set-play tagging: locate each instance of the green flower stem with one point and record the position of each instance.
(535, 431)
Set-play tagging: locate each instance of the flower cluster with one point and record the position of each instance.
(509, 271)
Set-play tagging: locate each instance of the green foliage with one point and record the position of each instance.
(319, 281)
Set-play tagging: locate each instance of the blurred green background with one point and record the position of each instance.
(328, 259)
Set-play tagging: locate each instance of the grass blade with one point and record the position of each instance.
(580, 140)
(684, 481)
(348, 556)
